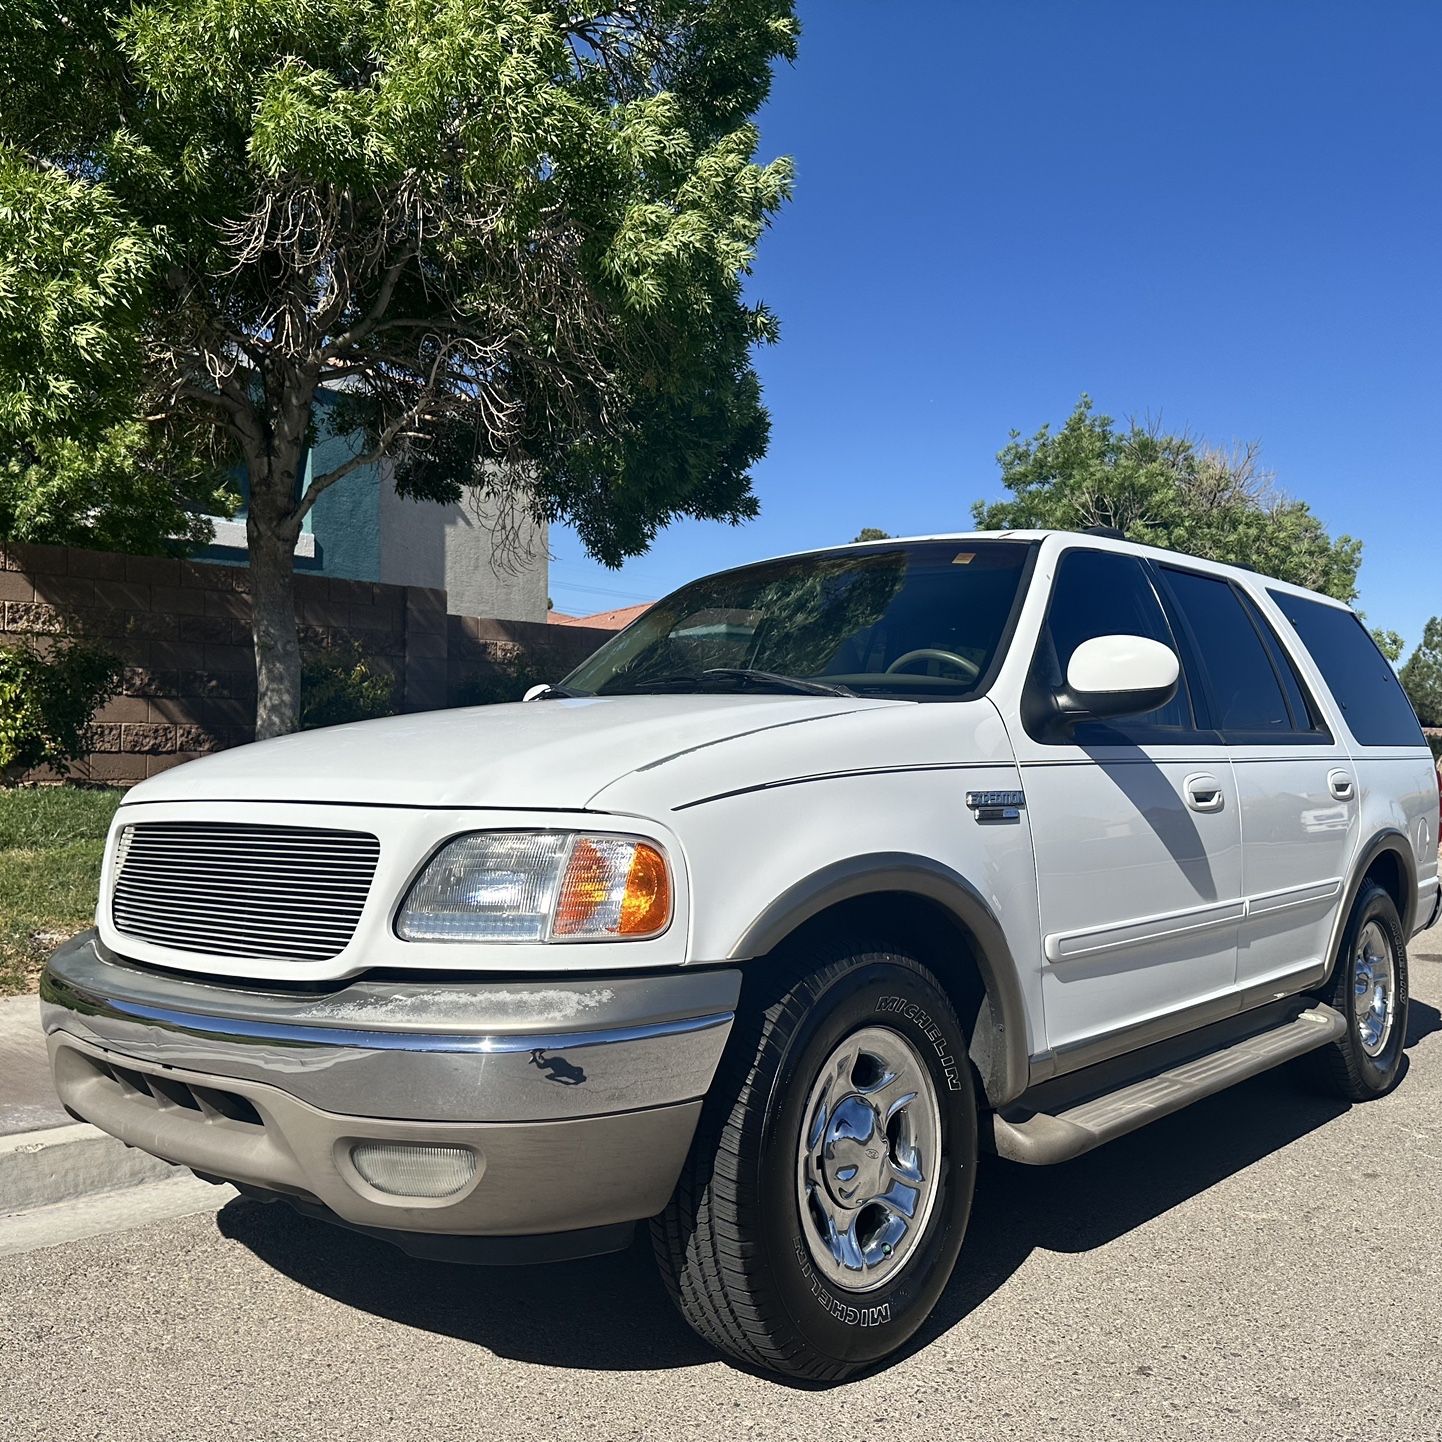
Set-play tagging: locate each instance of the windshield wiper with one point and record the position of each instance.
(744, 676)
(748, 677)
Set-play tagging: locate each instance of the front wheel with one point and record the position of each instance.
(828, 1188)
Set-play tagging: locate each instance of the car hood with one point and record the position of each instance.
(545, 754)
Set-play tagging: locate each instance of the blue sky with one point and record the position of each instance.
(1226, 213)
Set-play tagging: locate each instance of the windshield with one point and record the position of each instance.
(921, 620)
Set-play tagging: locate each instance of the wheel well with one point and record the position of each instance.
(1387, 871)
(937, 939)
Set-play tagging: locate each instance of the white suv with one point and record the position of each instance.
(825, 877)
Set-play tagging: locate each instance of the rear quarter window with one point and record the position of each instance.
(1365, 686)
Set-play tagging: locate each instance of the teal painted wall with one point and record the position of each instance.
(345, 519)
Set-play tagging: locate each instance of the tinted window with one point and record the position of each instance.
(921, 620)
(1245, 694)
(1364, 685)
(1104, 593)
(1305, 715)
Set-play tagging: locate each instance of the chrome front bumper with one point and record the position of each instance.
(578, 1097)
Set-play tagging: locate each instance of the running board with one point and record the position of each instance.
(1040, 1138)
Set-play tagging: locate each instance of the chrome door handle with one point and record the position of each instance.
(1203, 792)
(1339, 783)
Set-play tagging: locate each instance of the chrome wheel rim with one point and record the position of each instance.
(869, 1159)
(1374, 988)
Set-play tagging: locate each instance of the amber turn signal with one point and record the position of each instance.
(613, 886)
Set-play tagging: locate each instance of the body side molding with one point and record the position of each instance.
(998, 1044)
(1307, 978)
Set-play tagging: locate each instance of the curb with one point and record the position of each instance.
(39, 1169)
(107, 1213)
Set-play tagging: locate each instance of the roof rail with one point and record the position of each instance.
(1112, 533)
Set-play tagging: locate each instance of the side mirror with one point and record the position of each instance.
(1117, 676)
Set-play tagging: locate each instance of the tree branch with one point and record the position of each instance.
(209, 398)
(368, 322)
(336, 473)
(328, 478)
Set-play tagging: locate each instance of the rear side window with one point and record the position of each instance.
(1358, 674)
(1253, 692)
(1305, 715)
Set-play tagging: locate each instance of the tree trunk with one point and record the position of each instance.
(277, 645)
(274, 447)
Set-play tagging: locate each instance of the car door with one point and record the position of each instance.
(1136, 835)
(1296, 787)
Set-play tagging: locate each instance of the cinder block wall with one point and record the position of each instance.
(499, 656)
(181, 630)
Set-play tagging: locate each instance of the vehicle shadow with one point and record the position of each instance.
(611, 1313)
(1086, 1203)
(601, 1314)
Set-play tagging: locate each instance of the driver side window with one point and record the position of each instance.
(1105, 593)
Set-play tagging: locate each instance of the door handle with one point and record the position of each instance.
(1339, 783)
(1203, 792)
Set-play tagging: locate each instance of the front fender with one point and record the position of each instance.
(998, 1042)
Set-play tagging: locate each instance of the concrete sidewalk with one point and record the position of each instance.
(27, 1100)
(46, 1158)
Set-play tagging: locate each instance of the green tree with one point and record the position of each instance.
(79, 465)
(870, 533)
(1389, 643)
(508, 235)
(1422, 675)
(122, 490)
(1167, 490)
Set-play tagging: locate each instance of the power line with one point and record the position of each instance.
(557, 585)
(651, 575)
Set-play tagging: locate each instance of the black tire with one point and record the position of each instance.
(731, 1246)
(1346, 1067)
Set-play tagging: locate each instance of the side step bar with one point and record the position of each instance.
(1040, 1138)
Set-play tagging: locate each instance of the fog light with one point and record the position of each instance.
(412, 1169)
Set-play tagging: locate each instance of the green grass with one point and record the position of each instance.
(51, 838)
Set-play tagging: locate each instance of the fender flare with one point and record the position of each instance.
(998, 1040)
(1389, 839)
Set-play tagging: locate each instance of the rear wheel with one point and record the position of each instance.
(1369, 988)
(828, 1188)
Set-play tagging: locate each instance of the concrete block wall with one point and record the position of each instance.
(498, 657)
(181, 630)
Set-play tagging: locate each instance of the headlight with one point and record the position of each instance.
(539, 886)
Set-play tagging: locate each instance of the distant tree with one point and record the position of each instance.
(508, 235)
(870, 533)
(1167, 490)
(1422, 675)
(1389, 643)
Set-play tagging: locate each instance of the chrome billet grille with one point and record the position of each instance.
(236, 889)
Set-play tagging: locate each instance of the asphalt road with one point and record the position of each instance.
(1265, 1265)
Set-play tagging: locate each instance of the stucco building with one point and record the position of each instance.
(361, 530)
